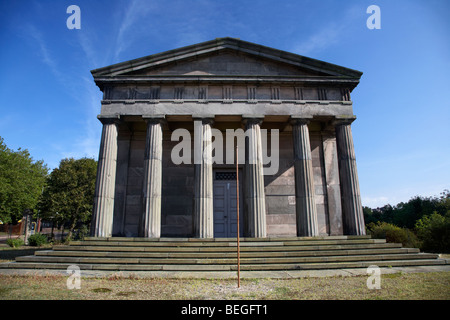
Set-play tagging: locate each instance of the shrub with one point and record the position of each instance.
(392, 233)
(37, 239)
(14, 243)
(434, 232)
(81, 232)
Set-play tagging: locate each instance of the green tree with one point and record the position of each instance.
(443, 203)
(385, 213)
(392, 233)
(21, 182)
(372, 215)
(434, 232)
(406, 214)
(69, 195)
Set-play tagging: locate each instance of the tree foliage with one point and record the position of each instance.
(21, 182)
(392, 233)
(434, 231)
(427, 217)
(69, 194)
(405, 214)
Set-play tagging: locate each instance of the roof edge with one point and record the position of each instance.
(221, 44)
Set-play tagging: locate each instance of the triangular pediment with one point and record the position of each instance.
(226, 57)
(227, 62)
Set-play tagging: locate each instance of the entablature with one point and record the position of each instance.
(251, 92)
(219, 108)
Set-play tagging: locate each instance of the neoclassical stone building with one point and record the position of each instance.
(312, 188)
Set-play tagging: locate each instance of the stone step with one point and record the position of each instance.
(244, 239)
(215, 267)
(342, 265)
(173, 254)
(275, 248)
(203, 244)
(255, 254)
(223, 261)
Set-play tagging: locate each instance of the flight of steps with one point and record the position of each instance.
(188, 254)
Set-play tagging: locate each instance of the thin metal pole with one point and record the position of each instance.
(238, 231)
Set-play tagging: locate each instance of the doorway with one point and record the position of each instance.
(225, 204)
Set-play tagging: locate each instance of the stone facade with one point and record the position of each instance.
(212, 87)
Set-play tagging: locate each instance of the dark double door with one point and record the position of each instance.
(225, 204)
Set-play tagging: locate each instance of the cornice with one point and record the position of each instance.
(222, 44)
(101, 81)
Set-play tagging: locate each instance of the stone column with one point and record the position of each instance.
(203, 179)
(305, 203)
(352, 212)
(332, 180)
(102, 217)
(254, 180)
(150, 223)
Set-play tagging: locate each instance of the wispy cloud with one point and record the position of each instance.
(127, 33)
(324, 38)
(154, 21)
(329, 34)
(86, 144)
(43, 51)
(87, 141)
(80, 88)
(89, 50)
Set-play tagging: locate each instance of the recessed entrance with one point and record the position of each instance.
(225, 204)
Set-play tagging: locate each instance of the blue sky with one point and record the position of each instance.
(49, 101)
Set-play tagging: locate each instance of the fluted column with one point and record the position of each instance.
(305, 204)
(102, 217)
(254, 180)
(352, 212)
(150, 224)
(331, 167)
(203, 179)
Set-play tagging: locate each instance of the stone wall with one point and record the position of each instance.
(280, 189)
(177, 194)
(178, 183)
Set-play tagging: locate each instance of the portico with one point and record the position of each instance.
(213, 87)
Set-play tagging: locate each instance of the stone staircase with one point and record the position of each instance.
(188, 254)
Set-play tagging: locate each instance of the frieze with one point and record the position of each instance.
(226, 93)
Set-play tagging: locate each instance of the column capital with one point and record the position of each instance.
(159, 118)
(109, 119)
(205, 119)
(252, 119)
(299, 120)
(343, 120)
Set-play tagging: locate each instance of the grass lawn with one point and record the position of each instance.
(407, 286)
